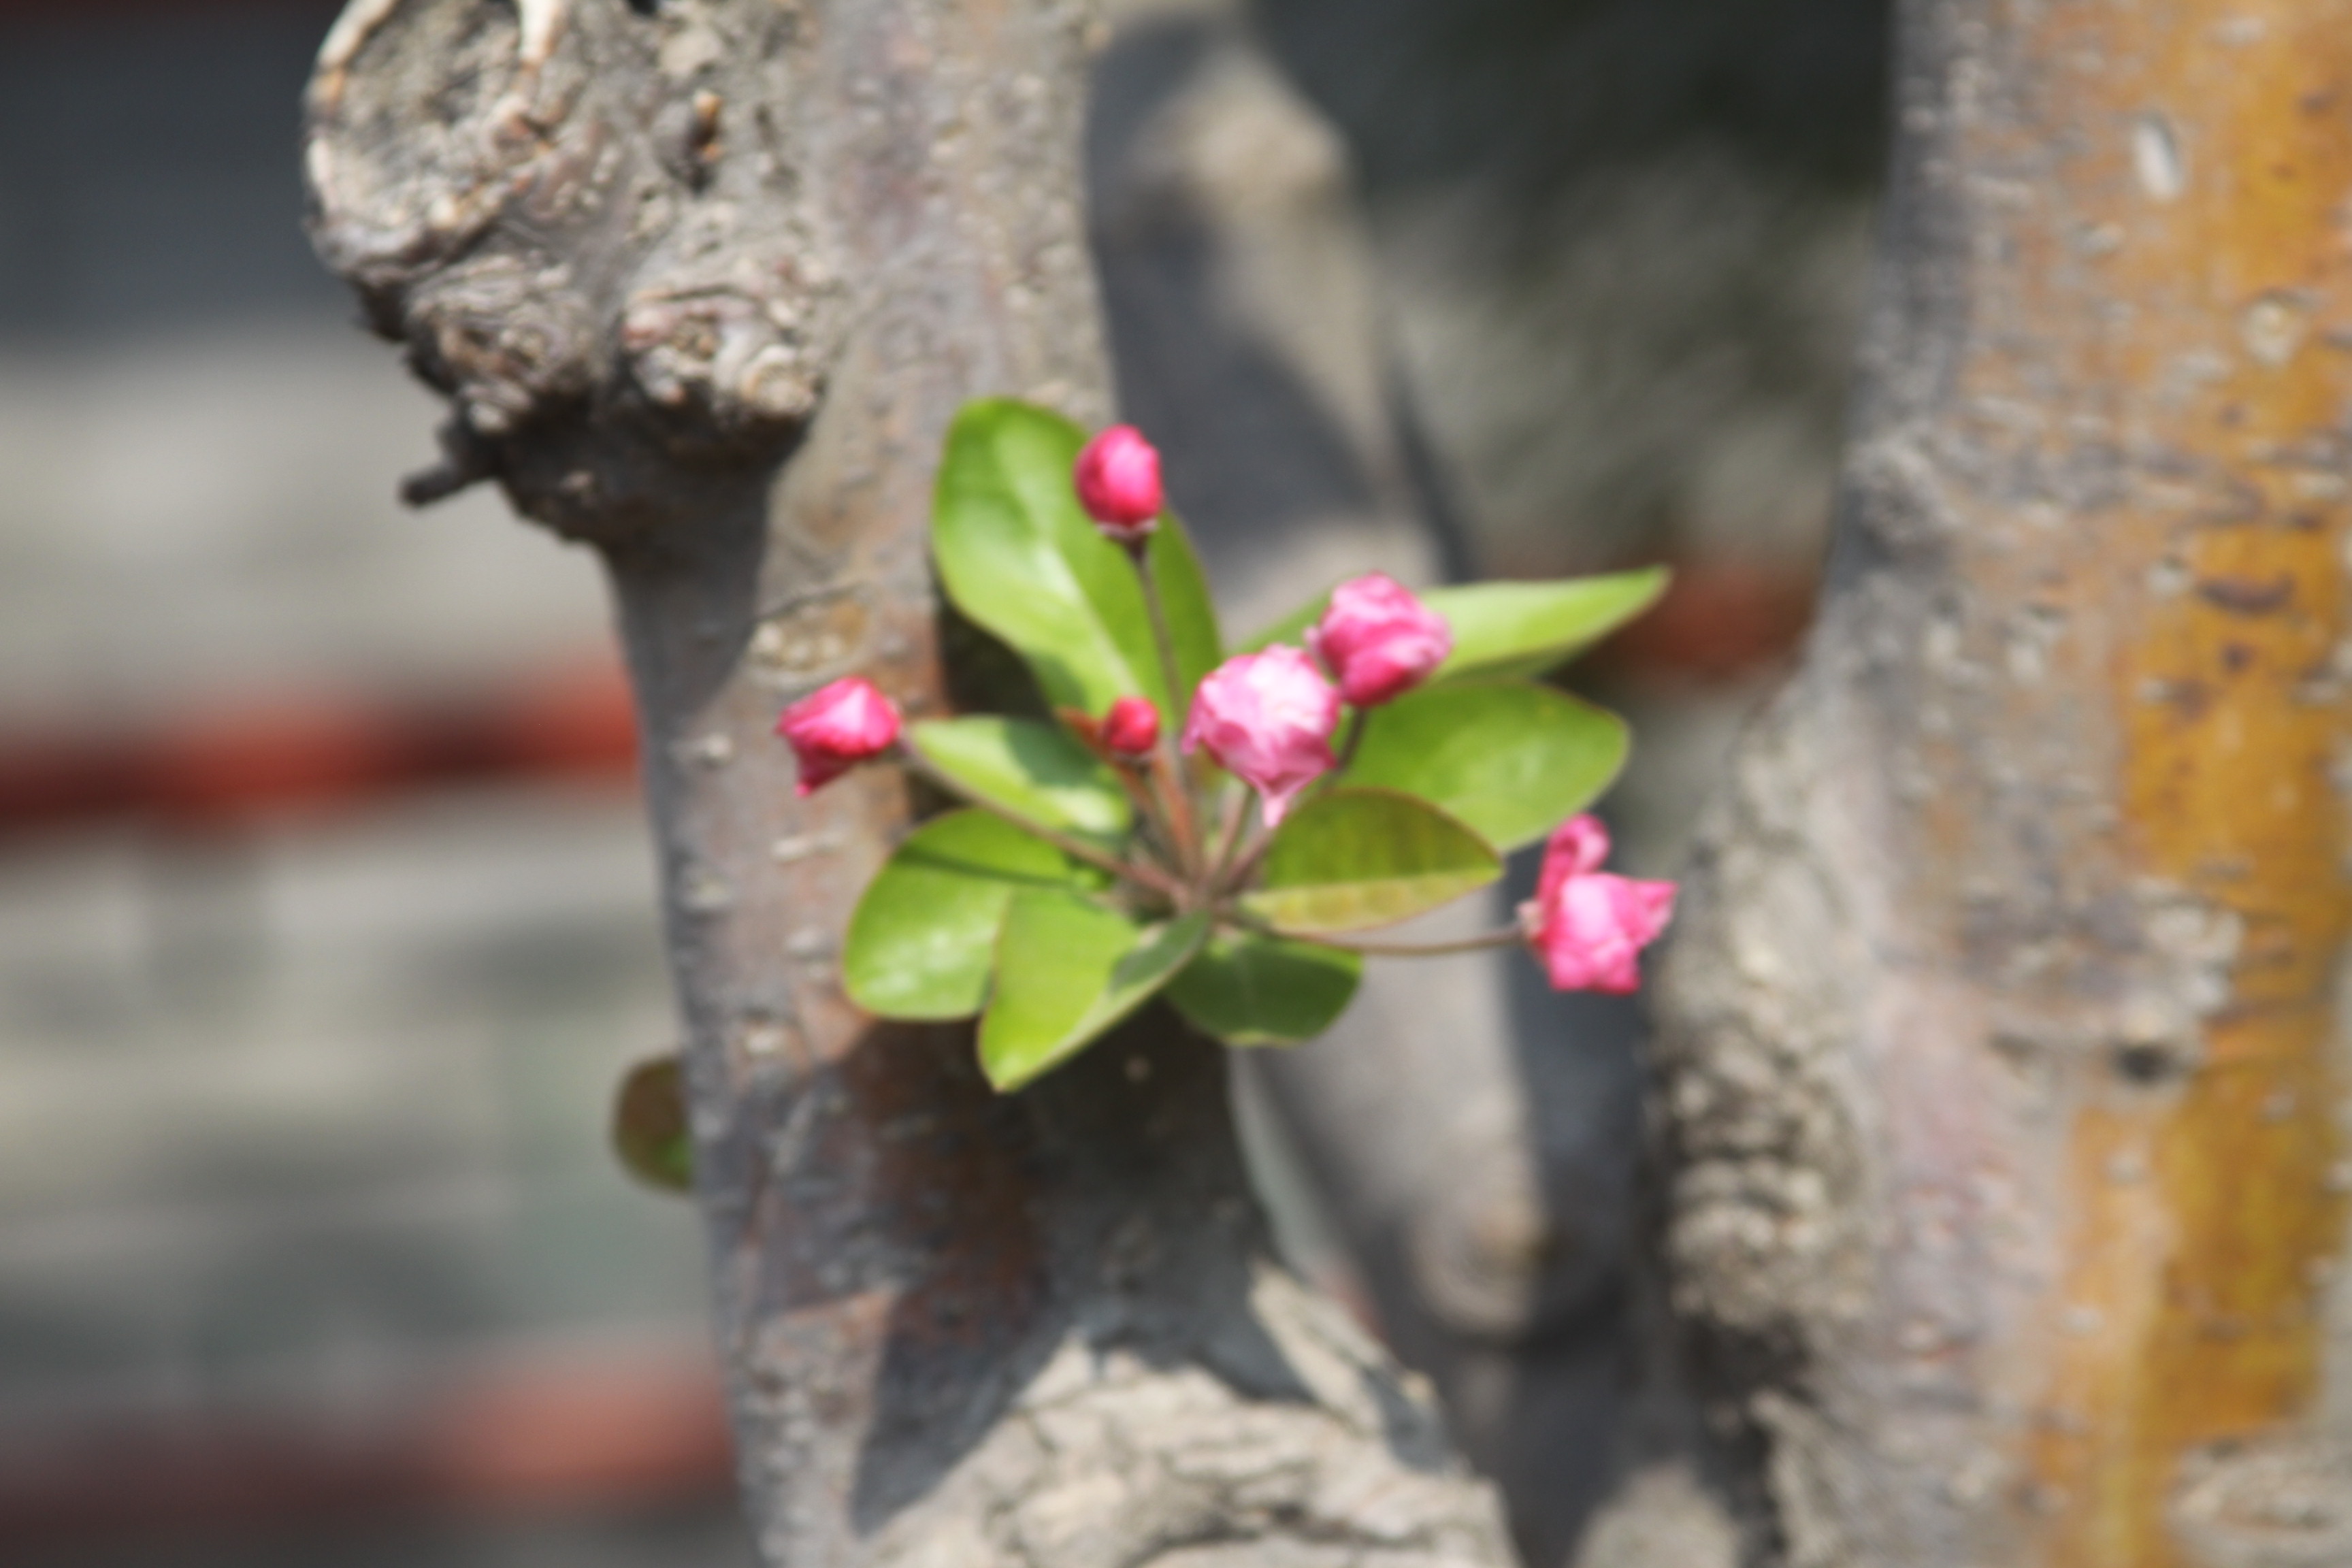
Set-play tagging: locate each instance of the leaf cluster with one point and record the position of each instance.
(1011, 909)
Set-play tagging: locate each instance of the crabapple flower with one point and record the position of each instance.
(1576, 849)
(836, 727)
(1118, 479)
(1588, 926)
(1267, 718)
(1131, 727)
(1378, 640)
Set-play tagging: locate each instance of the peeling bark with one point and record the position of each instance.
(704, 282)
(2001, 1082)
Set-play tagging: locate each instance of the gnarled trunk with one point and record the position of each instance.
(705, 283)
(2001, 1079)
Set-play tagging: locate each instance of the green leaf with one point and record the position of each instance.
(1359, 858)
(923, 938)
(649, 1126)
(1039, 770)
(1019, 556)
(1509, 759)
(1067, 969)
(1192, 613)
(1513, 628)
(1251, 990)
(1527, 629)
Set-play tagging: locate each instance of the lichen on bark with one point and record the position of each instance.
(1999, 1075)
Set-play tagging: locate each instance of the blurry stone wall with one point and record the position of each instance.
(311, 1250)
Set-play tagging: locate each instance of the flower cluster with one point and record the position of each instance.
(1246, 918)
(1268, 718)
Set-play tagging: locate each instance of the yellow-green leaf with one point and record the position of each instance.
(1514, 628)
(1036, 768)
(1359, 858)
(1509, 759)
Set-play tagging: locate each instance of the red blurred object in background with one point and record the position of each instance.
(1719, 622)
(240, 758)
(542, 1434)
(243, 757)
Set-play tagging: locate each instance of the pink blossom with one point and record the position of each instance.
(1117, 477)
(1576, 848)
(836, 726)
(1267, 718)
(1588, 926)
(1378, 640)
(1131, 727)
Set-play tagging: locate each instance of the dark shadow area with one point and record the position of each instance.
(1625, 240)
(688, 596)
(1204, 385)
(1531, 96)
(1560, 1437)
(1107, 1200)
(1436, 493)
(130, 205)
(946, 1220)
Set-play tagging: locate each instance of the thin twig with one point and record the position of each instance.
(1506, 937)
(1230, 877)
(1078, 850)
(1237, 876)
(1229, 839)
(1244, 869)
(1329, 778)
(1151, 830)
(1348, 745)
(1183, 805)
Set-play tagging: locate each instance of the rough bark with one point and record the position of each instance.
(2001, 1082)
(704, 283)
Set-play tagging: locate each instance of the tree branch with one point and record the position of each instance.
(706, 287)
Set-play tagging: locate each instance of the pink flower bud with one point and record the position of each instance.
(1576, 848)
(836, 726)
(1117, 478)
(1378, 640)
(1267, 718)
(1588, 926)
(1131, 727)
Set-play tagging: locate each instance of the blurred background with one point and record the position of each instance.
(326, 909)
